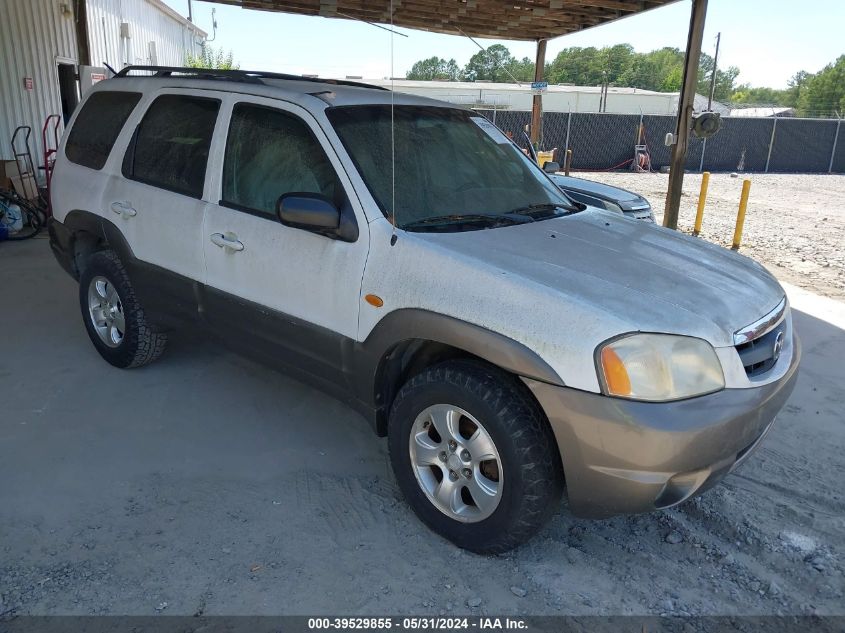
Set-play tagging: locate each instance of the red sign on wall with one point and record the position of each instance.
(28, 83)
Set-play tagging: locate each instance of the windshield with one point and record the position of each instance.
(450, 164)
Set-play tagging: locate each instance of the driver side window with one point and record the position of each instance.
(269, 153)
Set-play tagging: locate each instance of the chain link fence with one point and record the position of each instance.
(602, 141)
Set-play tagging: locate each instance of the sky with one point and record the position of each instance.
(768, 40)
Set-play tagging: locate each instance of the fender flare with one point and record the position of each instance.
(79, 220)
(407, 325)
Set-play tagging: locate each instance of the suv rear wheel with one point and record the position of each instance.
(114, 319)
(474, 456)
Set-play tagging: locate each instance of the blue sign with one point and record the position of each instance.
(539, 85)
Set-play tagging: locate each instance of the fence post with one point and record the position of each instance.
(833, 151)
(568, 123)
(703, 149)
(771, 143)
(494, 111)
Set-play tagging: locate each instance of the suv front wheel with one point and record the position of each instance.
(474, 456)
(114, 319)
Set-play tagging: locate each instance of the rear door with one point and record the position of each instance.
(158, 198)
(286, 292)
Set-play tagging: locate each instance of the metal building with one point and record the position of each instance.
(43, 50)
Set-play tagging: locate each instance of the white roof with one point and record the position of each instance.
(761, 112)
(311, 94)
(161, 6)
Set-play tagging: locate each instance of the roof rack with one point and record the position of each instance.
(244, 76)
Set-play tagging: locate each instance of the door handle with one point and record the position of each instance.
(229, 241)
(124, 209)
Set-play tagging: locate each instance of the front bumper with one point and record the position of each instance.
(625, 457)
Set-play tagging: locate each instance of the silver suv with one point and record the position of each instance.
(405, 256)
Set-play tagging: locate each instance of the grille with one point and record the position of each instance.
(645, 214)
(760, 354)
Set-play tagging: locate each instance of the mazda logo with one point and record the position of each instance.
(778, 346)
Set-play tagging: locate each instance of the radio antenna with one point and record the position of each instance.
(393, 235)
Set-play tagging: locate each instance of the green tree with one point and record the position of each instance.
(725, 79)
(823, 94)
(211, 57)
(616, 60)
(796, 84)
(520, 69)
(659, 70)
(434, 68)
(577, 65)
(748, 95)
(489, 64)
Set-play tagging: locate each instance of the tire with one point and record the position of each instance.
(123, 338)
(527, 478)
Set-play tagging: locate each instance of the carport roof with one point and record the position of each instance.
(495, 19)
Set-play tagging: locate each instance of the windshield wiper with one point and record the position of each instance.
(537, 208)
(471, 218)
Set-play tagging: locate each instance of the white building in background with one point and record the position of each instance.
(765, 112)
(40, 72)
(556, 98)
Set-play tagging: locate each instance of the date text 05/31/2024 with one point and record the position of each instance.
(418, 623)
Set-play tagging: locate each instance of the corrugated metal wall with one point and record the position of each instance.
(33, 35)
(149, 21)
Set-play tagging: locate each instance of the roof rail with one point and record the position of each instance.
(245, 76)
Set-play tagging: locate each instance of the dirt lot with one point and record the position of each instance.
(795, 223)
(206, 483)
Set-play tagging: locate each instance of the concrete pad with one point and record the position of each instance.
(215, 485)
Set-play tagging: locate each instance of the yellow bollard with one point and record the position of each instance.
(702, 198)
(740, 216)
(567, 162)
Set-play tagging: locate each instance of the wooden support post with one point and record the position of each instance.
(83, 48)
(567, 163)
(537, 105)
(685, 108)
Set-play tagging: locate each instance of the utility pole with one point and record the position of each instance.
(686, 103)
(190, 11)
(537, 103)
(713, 77)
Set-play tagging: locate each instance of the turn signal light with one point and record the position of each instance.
(615, 374)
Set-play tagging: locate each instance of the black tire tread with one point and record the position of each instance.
(533, 441)
(143, 343)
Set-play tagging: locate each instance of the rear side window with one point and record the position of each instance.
(269, 153)
(170, 148)
(98, 126)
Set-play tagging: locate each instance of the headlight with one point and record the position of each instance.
(610, 206)
(658, 367)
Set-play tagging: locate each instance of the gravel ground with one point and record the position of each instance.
(208, 484)
(795, 224)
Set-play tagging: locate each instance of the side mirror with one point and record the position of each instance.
(308, 211)
(551, 167)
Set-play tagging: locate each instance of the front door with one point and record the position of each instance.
(284, 292)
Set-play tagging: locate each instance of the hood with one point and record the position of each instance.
(652, 278)
(627, 200)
